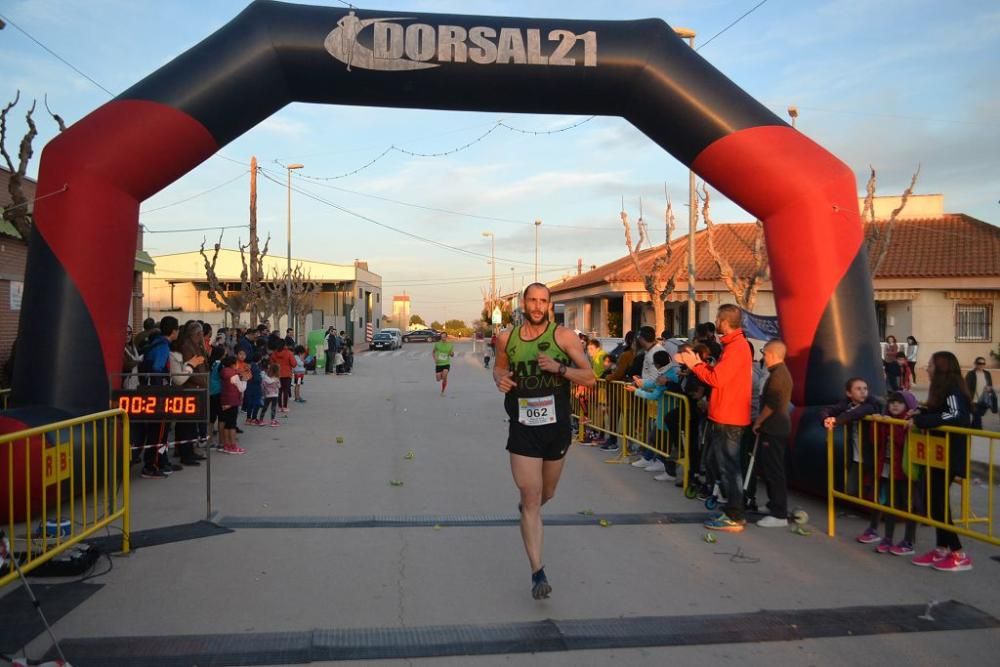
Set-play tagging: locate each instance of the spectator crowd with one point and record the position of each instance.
(252, 372)
(740, 412)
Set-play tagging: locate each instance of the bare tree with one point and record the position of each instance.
(659, 281)
(273, 302)
(304, 291)
(878, 235)
(743, 288)
(18, 213)
(237, 301)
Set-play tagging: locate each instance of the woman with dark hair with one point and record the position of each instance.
(889, 363)
(911, 356)
(948, 404)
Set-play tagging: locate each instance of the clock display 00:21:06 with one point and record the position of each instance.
(159, 405)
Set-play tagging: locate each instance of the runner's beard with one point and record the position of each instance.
(542, 319)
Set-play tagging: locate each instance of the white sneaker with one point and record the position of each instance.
(656, 466)
(664, 477)
(640, 463)
(772, 522)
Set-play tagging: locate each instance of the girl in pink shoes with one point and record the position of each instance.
(948, 404)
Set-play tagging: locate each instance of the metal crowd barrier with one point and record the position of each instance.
(73, 480)
(4, 398)
(852, 453)
(610, 408)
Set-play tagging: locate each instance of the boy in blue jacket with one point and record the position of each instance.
(656, 390)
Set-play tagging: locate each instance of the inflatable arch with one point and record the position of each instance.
(80, 260)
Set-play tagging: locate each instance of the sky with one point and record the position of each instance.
(893, 84)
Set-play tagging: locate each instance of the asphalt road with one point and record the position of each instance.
(345, 548)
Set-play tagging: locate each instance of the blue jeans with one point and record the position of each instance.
(725, 444)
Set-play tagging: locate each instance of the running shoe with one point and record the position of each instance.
(904, 548)
(884, 547)
(152, 473)
(640, 463)
(233, 449)
(263, 422)
(610, 447)
(274, 422)
(664, 477)
(724, 523)
(955, 561)
(869, 537)
(540, 588)
(930, 558)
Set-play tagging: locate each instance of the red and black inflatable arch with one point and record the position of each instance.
(80, 261)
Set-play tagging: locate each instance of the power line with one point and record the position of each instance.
(396, 149)
(56, 55)
(437, 282)
(436, 209)
(417, 237)
(147, 230)
(83, 74)
(748, 13)
(187, 199)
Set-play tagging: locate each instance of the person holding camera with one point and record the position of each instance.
(980, 384)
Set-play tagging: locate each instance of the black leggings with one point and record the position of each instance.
(269, 402)
(286, 392)
(940, 487)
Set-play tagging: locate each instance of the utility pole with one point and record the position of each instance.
(685, 33)
(255, 279)
(288, 281)
(538, 223)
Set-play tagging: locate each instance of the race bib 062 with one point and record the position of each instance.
(537, 411)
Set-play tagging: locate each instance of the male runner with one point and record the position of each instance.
(443, 352)
(535, 364)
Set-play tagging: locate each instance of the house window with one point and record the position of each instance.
(972, 322)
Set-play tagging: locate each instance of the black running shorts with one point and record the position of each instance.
(550, 442)
(446, 367)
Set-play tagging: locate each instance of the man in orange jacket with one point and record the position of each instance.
(728, 410)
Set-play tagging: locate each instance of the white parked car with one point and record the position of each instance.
(396, 334)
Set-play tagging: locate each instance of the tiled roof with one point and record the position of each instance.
(953, 245)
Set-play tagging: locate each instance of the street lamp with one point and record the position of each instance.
(538, 223)
(689, 35)
(288, 282)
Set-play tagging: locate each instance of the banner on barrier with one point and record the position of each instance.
(57, 462)
(928, 450)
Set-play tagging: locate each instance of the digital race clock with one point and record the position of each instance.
(152, 403)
